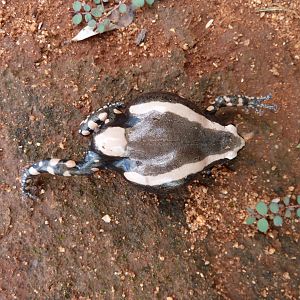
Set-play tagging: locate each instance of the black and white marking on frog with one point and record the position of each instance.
(158, 141)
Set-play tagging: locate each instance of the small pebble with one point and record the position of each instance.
(61, 249)
(106, 219)
(224, 192)
(248, 136)
(274, 71)
(246, 42)
(141, 37)
(33, 27)
(209, 23)
(185, 47)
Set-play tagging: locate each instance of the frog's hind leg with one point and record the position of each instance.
(238, 100)
(91, 163)
(103, 115)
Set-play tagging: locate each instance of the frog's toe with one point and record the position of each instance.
(259, 106)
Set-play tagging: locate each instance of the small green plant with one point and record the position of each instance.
(104, 15)
(264, 215)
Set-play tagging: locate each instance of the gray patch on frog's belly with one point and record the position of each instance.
(166, 147)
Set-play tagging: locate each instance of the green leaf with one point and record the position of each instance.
(86, 7)
(298, 199)
(92, 23)
(77, 6)
(261, 208)
(250, 220)
(97, 1)
(96, 12)
(286, 200)
(100, 7)
(262, 225)
(101, 28)
(298, 146)
(298, 212)
(122, 8)
(288, 213)
(77, 19)
(88, 17)
(150, 2)
(274, 207)
(138, 3)
(277, 221)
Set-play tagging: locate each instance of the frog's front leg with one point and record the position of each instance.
(91, 163)
(238, 100)
(103, 115)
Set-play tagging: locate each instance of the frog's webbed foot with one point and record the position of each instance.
(258, 105)
(103, 115)
(238, 100)
(91, 163)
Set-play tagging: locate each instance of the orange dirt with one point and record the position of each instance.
(188, 245)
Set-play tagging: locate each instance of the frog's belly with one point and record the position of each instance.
(165, 148)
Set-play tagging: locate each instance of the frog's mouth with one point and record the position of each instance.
(237, 144)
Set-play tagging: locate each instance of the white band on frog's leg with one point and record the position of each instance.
(103, 115)
(239, 100)
(62, 167)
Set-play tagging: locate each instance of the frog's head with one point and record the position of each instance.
(230, 142)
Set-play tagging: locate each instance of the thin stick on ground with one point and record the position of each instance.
(279, 9)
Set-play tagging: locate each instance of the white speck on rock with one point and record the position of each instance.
(106, 219)
(61, 249)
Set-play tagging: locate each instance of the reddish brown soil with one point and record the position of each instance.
(189, 245)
